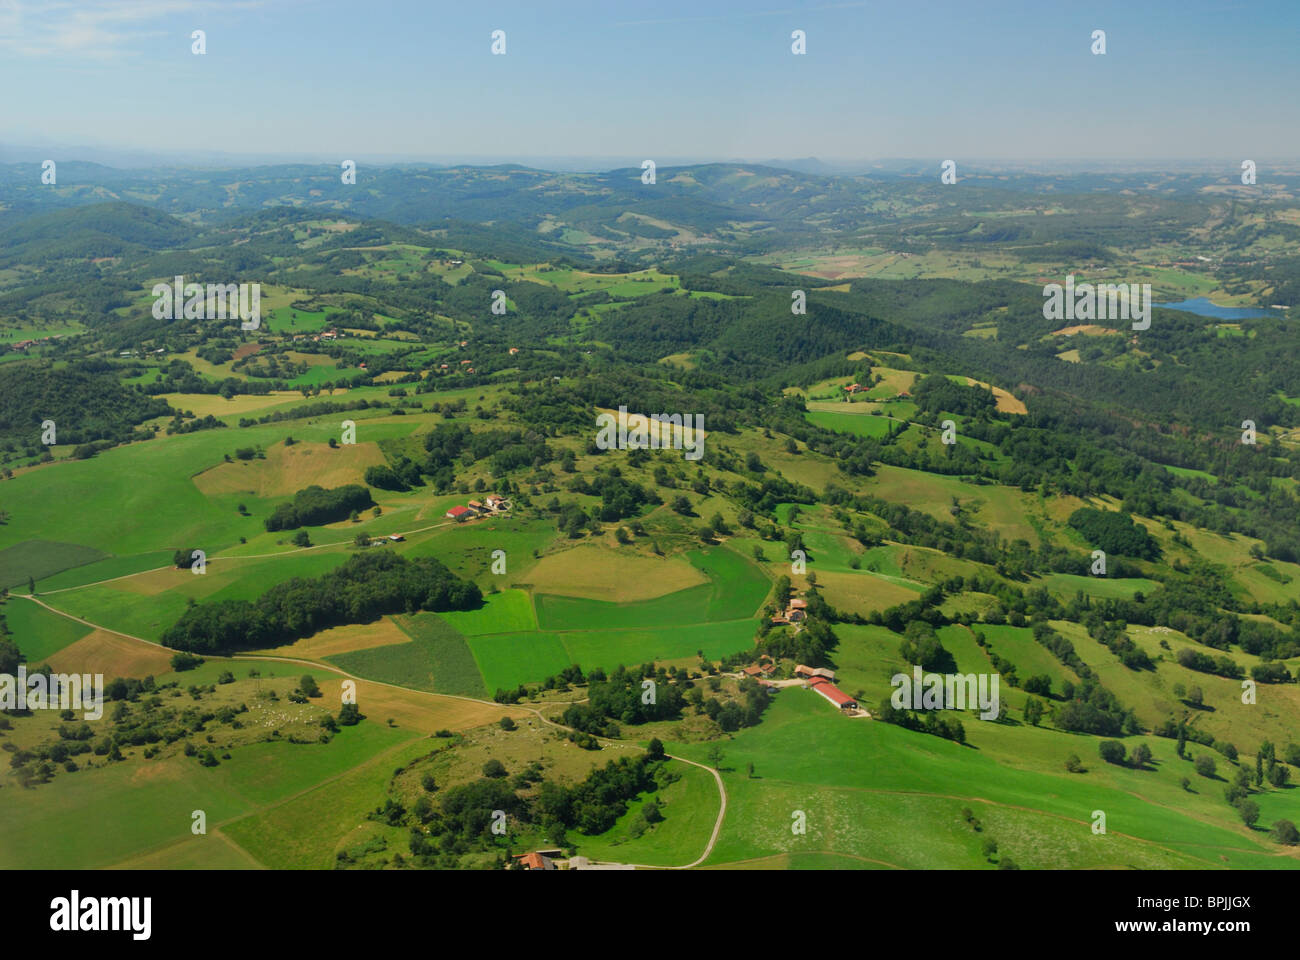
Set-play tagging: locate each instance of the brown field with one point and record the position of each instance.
(617, 576)
(112, 655)
(286, 470)
(355, 636)
(427, 712)
(246, 350)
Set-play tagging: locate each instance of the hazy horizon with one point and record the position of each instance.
(688, 82)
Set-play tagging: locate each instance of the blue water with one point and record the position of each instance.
(1203, 307)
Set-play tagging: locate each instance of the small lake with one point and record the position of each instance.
(1203, 307)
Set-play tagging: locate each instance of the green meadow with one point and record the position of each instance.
(880, 792)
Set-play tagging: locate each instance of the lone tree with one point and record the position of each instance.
(1284, 831)
(308, 686)
(1249, 811)
(1033, 711)
(1112, 751)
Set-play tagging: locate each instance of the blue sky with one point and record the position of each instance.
(665, 79)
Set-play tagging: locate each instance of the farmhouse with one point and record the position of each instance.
(808, 672)
(534, 861)
(458, 513)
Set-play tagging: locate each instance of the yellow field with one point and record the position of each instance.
(998, 507)
(667, 433)
(286, 470)
(204, 404)
(111, 655)
(617, 576)
(861, 592)
(426, 712)
(354, 636)
(1006, 402)
(391, 375)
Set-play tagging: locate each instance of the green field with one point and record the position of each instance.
(437, 659)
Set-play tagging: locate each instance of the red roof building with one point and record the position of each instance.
(535, 861)
(458, 513)
(833, 693)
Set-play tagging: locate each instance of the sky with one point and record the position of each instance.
(668, 80)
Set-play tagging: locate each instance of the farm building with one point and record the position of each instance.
(396, 537)
(458, 513)
(823, 672)
(534, 861)
(833, 693)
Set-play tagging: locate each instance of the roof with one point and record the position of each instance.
(535, 861)
(834, 694)
(815, 672)
(798, 604)
(753, 670)
(457, 510)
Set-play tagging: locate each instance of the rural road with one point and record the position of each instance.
(722, 791)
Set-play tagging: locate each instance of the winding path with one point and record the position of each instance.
(722, 791)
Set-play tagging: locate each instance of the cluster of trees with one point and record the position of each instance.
(1221, 666)
(86, 402)
(315, 505)
(463, 819)
(936, 722)
(365, 587)
(625, 698)
(619, 496)
(937, 394)
(1114, 533)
